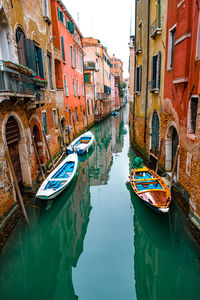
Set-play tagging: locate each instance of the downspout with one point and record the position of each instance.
(134, 98)
(147, 77)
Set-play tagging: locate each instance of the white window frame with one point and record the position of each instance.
(65, 85)
(169, 50)
(198, 40)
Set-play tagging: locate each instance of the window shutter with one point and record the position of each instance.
(86, 76)
(154, 79)
(140, 78)
(30, 52)
(41, 63)
(58, 10)
(158, 70)
(62, 47)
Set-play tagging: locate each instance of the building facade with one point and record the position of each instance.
(180, 121)
(29, 112)
(67, 38)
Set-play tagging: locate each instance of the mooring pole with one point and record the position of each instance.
(16, 185)
(157, 164)
(174, 166)
(48, 148)
(38, 158)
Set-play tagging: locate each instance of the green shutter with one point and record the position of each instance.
(40, 55)
(44, 120)
(71, 28)
(62, 47)
(58, 10)
(86, 77)
(30, 52)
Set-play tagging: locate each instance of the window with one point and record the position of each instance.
(138, 78)
(62, 47)
(193, 107)
(45, 8)
(74, 87)
(81, 62)
(82, 89)
(188, 163)
(55, 119)
(155, 71)
(77, 120)
(72, 58)
(65, 86)
(75, 58)
(21, 46)
(39, 59)
(88, 107)
(198, 41)
(44, 121)
(70, 116)
(87, 78)
(140, 35)
(60, 15)
(158, 13)
(77, 88)
(49, 71)
(115, 65)
(171, 46)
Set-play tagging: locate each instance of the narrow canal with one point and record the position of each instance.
(97, 241)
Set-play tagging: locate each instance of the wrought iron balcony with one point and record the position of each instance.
(16, 80)
(155, 28)
(90, 65)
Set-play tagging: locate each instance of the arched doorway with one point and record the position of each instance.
(171, 144)
(13, 139)
(155, 129)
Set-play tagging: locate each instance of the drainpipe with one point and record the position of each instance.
(134, 98)
(147, 77)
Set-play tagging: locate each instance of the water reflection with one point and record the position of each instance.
(37, 263)
(165, 260)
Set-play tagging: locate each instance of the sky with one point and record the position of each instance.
(107, 20)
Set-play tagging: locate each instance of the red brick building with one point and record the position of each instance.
(180, 121)
(67, 38)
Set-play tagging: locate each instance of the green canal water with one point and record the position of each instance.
(97, 241)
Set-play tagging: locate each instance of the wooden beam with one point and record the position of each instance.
(174, 166)
(46, 142)
(157, 164)
(16, 185)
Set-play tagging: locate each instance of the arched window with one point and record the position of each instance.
(21, 46)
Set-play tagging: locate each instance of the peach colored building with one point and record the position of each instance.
(95, 54)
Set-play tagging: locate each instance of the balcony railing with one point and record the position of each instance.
(155, 28)
(17, 80)
(90, 65)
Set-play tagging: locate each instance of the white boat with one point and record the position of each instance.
(59, 178)
(82, 144)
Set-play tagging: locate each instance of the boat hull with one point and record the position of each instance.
(59, 179)
(150, 189)
(81, 147)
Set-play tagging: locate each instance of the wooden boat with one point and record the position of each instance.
(82, 144)
(151, 189)
(115, 113)
(59, 178)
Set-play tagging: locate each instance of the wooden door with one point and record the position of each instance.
(13, 138)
